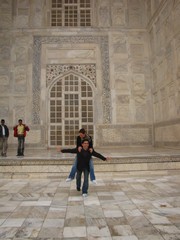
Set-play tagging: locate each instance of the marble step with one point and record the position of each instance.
(56, 165)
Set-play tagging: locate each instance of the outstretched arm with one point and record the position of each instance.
(69, 150)
(98, 155)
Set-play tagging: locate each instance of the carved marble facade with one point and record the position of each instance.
(131, 55)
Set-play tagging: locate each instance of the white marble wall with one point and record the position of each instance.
(164, 34)
(128, 94)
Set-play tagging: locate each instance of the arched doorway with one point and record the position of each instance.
(70, 108)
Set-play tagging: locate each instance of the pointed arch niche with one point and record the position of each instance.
(70, 106)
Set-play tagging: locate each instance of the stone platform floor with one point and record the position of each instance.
(122, 206)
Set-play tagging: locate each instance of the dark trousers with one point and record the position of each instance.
(86, 180)
(3, 145)
(21, 140)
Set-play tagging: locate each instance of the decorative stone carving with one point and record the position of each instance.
(53, 71)
(4, 53)
(141, 113)
(121, 82)
(163, 92)
(20, 79)
(122, 113)
(123, 99)
(135, 16)
(4, 109)
(5, 14)
(176, 18)
(122, 66)
(138, 83)
(21, 21)
(102, 41)
(119, 44)
(118, 13)
(137, 50)
(19, 113)
(21, 55)
(171, 89)
(4, 80)
(140, 98)
(124, 135)
(20, 76)
(104, 18)
(138, 67)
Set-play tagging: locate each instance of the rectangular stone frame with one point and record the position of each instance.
(102, 41)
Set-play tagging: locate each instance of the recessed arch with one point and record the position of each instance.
(70, 108)
(39, 41)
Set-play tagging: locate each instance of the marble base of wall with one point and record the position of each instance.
(167, 133)
(124, 135)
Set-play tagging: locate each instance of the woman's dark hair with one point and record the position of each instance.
(82, 130)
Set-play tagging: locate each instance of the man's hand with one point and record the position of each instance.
(91, 150)
(79, 149)
(108, 158)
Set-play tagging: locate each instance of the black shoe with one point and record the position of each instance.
(78, 189)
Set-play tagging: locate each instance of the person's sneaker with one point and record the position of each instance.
(85, 195)
(78, 189)
(69, 179)
(94, 181)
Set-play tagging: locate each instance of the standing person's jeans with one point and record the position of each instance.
(21, 140)
(74, 170)
(3, 145)
(85, 183)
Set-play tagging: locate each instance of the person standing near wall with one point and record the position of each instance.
(20, 133)
(4, 134)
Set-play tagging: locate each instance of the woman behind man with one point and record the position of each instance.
(82, 135)
(83, 159)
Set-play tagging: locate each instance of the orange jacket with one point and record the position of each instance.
(26, 128)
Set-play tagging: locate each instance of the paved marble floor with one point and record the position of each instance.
(122, 206)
